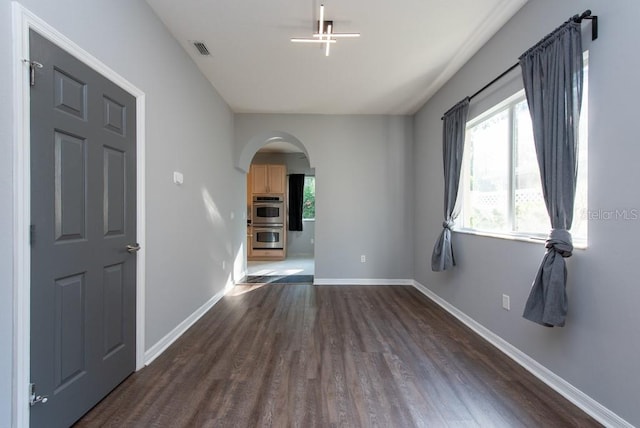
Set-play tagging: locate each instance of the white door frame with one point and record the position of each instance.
(23, 21)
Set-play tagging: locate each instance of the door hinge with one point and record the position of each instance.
(32, 234)
(32, 70)
(35, 399)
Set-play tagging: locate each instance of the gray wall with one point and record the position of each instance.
(302, 243)
(298, 243)
(598, 349)
(189, 129)
(363, 189)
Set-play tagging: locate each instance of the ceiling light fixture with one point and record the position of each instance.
(325, 33)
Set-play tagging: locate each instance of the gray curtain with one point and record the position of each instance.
(453, 129)
(552, 73)
(296, 199)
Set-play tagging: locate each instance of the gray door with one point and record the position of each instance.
(83, 206)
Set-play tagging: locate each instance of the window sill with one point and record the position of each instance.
(308, 219)
(513, 237)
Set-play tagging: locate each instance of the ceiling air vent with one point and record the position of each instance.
(202, 48)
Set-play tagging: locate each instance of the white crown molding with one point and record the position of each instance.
(485, 30)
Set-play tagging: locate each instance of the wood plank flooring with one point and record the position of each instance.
(284, 355)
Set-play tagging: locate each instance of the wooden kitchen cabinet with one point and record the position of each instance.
(267, 254)
(268, 178)
(265, 179)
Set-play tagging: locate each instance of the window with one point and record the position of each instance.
(500, 191)
(309, 199)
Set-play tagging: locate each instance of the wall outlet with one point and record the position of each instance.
(224, 264)
(312, 240)
(363, 259)
(506, 302)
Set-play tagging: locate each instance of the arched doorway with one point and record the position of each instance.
(284, 155)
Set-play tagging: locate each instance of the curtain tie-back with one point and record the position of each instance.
(552, 77)
(560, 241)
(453, 131)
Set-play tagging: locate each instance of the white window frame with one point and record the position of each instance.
(511, 234)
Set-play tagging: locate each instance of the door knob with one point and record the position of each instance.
(133, 248)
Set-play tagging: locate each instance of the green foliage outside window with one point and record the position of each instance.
(309, 199)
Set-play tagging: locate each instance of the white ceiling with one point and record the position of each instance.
(408, 49)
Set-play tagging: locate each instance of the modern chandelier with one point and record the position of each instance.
(325, 34)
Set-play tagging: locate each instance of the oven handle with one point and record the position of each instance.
(271, 201)
(267, 204)
(267, 227)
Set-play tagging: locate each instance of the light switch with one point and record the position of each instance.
(178, 178)
(506, 302)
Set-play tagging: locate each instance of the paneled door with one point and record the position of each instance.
(83, 242)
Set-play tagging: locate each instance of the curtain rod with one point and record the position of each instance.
(576, 18)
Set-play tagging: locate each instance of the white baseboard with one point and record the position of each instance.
(570, 392)
(159, 347)
(361, 281)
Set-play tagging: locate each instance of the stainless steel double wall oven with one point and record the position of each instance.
(267, 219)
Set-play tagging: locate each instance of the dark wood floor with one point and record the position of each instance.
(325, 356)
